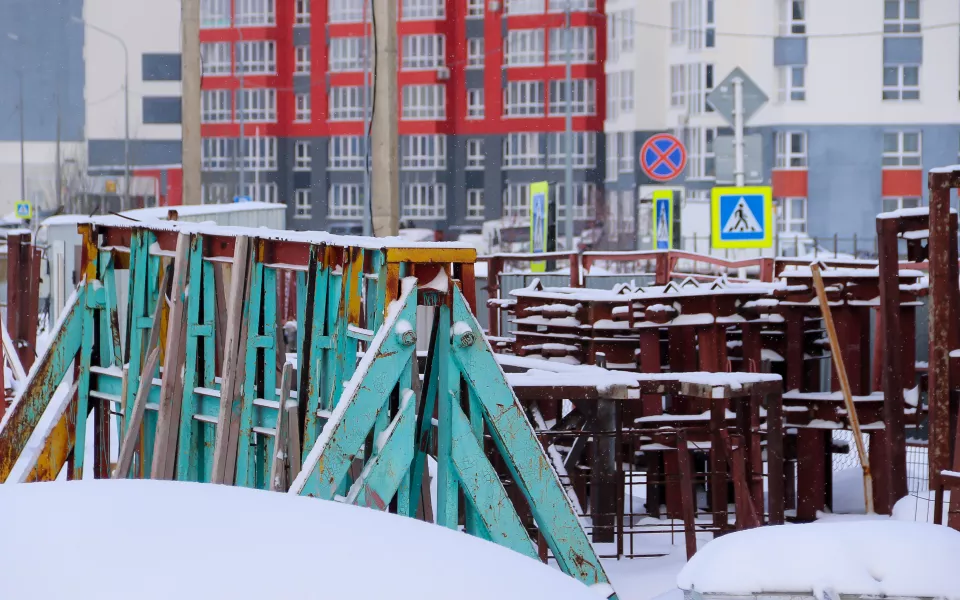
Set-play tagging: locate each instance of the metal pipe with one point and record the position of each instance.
(126, 109)
(738, 172)
(240, 154)
(568, 175)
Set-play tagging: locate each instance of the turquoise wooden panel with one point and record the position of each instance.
(187, 451)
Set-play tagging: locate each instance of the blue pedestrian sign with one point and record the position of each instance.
(23, 209)
(663, 220)
(742, 217)
(237, 199)
(539, 216)
(663, 157)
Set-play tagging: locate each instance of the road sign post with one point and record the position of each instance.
(663, 157)
(663, 220)
(539, 222)
(736, 99)
(742, 217)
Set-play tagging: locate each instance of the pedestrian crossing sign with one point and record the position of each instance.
(742, 217)
(23, 209)
(663, 220)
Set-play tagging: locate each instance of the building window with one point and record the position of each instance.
(710, 25)
(475, 103)
(613, 96)
(791, 215)
(612, 163)
(522, 151)
(696, 83)
(423, 152)
(475, 155)
(260, 153)
(346, 103)
(215, 106)
(345, 201)
(556, 6)
(523, 99)
(215, 193)
(423, 51)
(901, 16)
(215, 58)
(701, 161)
(302, 62)
(516, 200)
(583, 47)
(620, 26)
(677, 23)
(424, 201)
(584, 204)
(892, 204)
(424, 102)
(301, 14)
(475, 204)
(791, 150)
(475, 53)
(625, 146)
(524, 7)
(583, 100)
(793, 17)
(303, 109)
(257, 58)
(417, 10)
(524, 47)
(254, 13)
(347, 153)
(475, 9)
(902, 149)
(626, 92)
(793, 84)
(678, 85)
(216, 154)
(346, 11)
(347, 54)
(302, 159)
(257, 105)
(628, 221)
(584, 155)
(214, 14)
(613, 216)
(267, 192)
(301, 206)
(901, 82)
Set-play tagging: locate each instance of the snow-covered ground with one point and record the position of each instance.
(150, 539)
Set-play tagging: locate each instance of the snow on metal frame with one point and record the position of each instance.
(306, 237)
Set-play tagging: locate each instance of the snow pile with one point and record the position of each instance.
(870, 557)
(200, 541)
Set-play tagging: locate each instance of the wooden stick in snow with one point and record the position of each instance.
(229, 417)
(844, 385)
(171, 391)
(125, 460)
(278, 481)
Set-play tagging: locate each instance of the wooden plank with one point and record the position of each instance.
(281, 447)
(135, 419)
(686, 494)
(171, 390)
(229, 417)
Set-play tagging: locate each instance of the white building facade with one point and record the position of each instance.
(864, 97)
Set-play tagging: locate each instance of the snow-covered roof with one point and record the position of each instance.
(308, 237)
(870, 557)
(947, 169)
(198, 541)
(918, 211)
(161, 212)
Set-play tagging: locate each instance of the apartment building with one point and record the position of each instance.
(864, 96)
(481, 106)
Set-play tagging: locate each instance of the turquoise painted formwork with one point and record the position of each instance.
(460, 362)
(367, 426)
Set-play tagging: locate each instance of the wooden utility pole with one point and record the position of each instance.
(385, 135)
(190, 99)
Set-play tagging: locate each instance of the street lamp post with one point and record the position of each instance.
(23, 179)
(126, 108)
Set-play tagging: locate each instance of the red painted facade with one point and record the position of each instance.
(789, 183)
(902, 183)
(454, 27)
